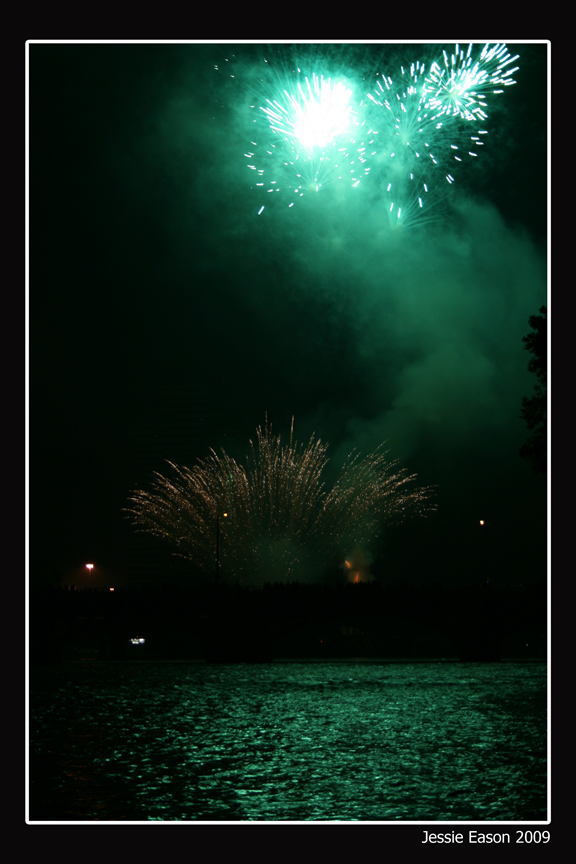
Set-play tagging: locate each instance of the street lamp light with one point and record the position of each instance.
(90, 567)
(485, 551)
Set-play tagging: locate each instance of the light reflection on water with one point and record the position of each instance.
(289, 741)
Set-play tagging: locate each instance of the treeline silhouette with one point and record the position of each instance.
(229, 623)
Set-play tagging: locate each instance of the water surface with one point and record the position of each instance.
(288, 741)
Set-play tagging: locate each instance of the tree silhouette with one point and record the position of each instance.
(534, 407)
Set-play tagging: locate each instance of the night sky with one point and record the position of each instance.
(167, 317)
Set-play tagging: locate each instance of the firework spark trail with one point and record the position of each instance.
(307, 134)
(459, 89)
(405, 135)
(278, 511)
(422, 132)
(314, 118)
(411, 132)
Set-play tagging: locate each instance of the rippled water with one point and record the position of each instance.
(288, 741)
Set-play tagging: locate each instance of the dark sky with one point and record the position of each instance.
(166, 316)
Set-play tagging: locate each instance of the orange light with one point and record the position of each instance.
(90, 567)
(481, 521)
(111, 589)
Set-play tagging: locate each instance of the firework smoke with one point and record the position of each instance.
(272, 519)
